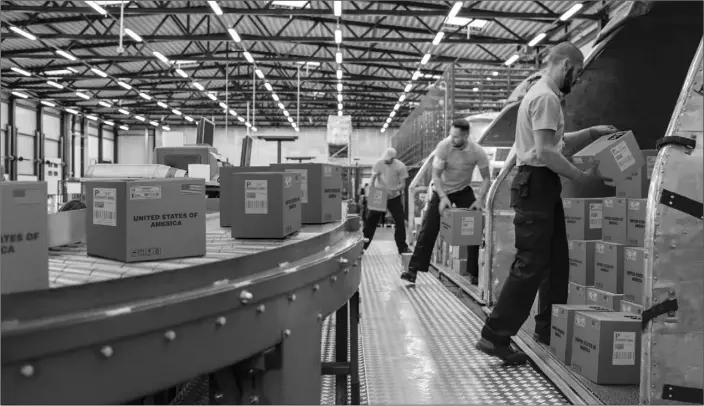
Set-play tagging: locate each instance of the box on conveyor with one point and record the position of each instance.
(321, 191)
(598, 297)
(637, 183)
(562, 328)
(608, 266)
(576, 294)
(462, 227)
(270, 206)
(606, 347)
(376, 201)
(614, 225)
(583, 218)
(134, 220)
(581, 254)
(633, 270)
(631, 308)
(228, 194)
(618, 155)
(635, 231)
(25, 246)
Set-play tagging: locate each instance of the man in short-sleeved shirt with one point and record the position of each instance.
(541, 263)
(453, 165)
(391, 174)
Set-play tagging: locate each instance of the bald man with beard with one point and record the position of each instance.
(541, 264)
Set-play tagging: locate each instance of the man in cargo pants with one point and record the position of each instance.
(391, 174)
(541, 262)
(453, 165)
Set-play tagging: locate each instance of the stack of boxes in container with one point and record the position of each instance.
(598, 331)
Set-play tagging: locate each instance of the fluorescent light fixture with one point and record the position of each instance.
(254, 129)
(145, 96)
(162, 105)
(235, 36)
(248, 57)
(386, 125)
(455, 9)
(311, 63)
(383, 130)
(72, 111)
(248, 124)
(259, 73)
(105, 104)
(296, 128)
(240, 119)
(123, 111)
(124, 85)
(83, 95)
(177, 112)
(339, 106)
(212, 97)
(124, 127)
(198, 86)
(425, 59)
(388, 120)
(488, 78)
(97, 8)
(408, 88)
(476, 89)
(65, 55)
(91, 118)
(99, 72)
(338, 57)
(537, 39)
(108, 122)
(133, 34)
(339, 87)
(20, 95)
(286, 113)
(188, 118)
(268, 86)
(233, 113)
(393, 114)
(154, 123)
(275, 97)
(24, 33)
(295, 4)
(54, 84)
(281, 106)
(339, 74)
(478, 23)
(572, 11)
(48, 103)
(397, 106)
(57, 72)
(338, 36)
(140, 118)
(339, 98)
(290, 120)
(416, 75)
(402, 98)
(223, 105)
(161, 57)
(511, 60)
(438, 37)
(182, 73)
(166, 127)
(494, 73)
(21, 71)
(339, 113)
(337, 8)
(216, 8)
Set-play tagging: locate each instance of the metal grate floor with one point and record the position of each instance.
(418, 344)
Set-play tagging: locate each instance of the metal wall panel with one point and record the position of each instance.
(93, 145)
(108, 149)
(26, 123)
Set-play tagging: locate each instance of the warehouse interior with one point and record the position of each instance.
(236, 307)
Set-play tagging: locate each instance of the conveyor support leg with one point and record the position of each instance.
(341, 342)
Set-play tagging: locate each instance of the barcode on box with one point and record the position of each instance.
(256, 197)
(624, 349)
(595, 215)
(105, 207)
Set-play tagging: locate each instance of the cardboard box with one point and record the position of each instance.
(228, 194)
(25, 247)
(631, 308)
(321, 191)
(633, 270)
(583, 218)
(577, 294)
(608, 266)
(134, 220)
(636, 185)
(562, 329)
(377, 199)
(618, 155)
(598, 297)
(459, 252)
(460, 267)
(614, 226)
(635, 231)
(270, 207)
(606, 347)
(462, 226)
(581, 262)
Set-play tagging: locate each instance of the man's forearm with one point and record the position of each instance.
(439, 189)
(483, 190)
(576, 141)
(560, 165)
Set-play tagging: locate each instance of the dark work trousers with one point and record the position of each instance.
(395, 207)
(420, 261)
(542, 261)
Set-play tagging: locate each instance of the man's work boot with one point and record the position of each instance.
(409, 275)
(503, 352)
(542, 337)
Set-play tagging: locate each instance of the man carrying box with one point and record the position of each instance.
(391, 174)
(542, 260)
(453, 165)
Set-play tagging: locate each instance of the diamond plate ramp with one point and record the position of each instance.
(419, 340)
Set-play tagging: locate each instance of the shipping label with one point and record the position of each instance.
(327, 171)
(595, 215)
(631, 254)
(593, 297)
(634, 205)
(105, 207)
(609, 203)
(599, 248)
(256, 197)
(624, 348)
(623, 156)
(304, 182)
(570, 245)
(555, 311)
(579, 320)
(467, 226)
(145, 192)
(567, 204)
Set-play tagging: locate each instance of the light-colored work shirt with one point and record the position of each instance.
(392, 175)
(540, 109)
(458, 164)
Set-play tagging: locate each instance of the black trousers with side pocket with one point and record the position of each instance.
(541, 264)
(429, 230)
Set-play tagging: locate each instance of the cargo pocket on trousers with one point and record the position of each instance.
(519, 188)
(533, 230)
